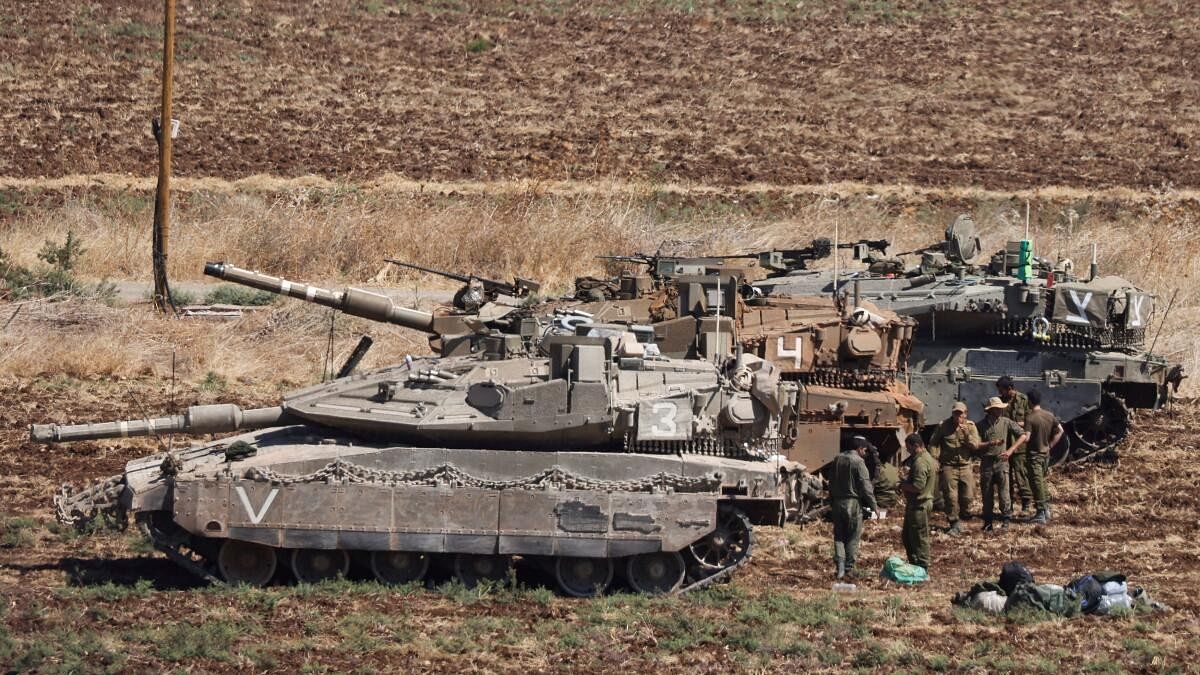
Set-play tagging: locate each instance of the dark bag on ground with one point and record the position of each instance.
(1012, 574)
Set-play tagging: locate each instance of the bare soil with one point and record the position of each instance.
(1084, 94)
(106, 601)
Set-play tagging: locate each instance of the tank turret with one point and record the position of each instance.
(1080, 342)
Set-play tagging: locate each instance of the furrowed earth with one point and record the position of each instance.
(106, 601)
(529, 137)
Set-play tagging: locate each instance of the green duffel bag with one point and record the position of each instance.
(895, 569)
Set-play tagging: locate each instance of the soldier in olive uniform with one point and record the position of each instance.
(918, 490)
(952, 444)
(1044, 433)
(1018, 409)
(887, 483)
(1001, 438)
(850, 494)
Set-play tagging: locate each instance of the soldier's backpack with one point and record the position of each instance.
(1012, 574)
(1044, 597)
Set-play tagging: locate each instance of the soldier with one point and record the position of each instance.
(1001, 438)
(1018, 408)
(887, 483)
(952, 444)
(850, 494)
(918, 490)
(1044, 433)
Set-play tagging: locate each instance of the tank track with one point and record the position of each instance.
(99, 501)
(202, 567)
(721, 575)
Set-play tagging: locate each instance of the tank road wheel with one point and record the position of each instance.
(399, 567)
(312, 565)
(583, 577)
(1102, 428)
(242, 562)
(471, 569)
(727, 545)
(1060, 452)
(655, 573)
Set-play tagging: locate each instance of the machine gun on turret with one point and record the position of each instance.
(794, 259)
(477, 291)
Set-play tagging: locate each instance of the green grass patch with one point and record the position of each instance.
(186, 641)
(64, 650)
(18, 533)
(479, 45)
(108, 591)
(135, 29)
(228, 294)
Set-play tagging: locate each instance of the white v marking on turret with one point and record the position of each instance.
(256, 518)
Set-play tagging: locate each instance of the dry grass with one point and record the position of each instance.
(340, 234)
(278, 347)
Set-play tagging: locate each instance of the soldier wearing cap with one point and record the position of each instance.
(953, 443)
(850, 494)
(1001, 438)
(918, 491)
(1017, 411)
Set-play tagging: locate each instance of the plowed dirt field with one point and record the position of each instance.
(927, 92)
(108, 602)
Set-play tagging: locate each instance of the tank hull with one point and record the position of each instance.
(300, 497)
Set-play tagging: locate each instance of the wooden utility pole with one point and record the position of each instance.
(162, 197)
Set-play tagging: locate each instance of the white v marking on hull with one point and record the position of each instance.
(256, 518)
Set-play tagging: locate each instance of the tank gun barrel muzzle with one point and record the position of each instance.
(353, 301)
(199, 419)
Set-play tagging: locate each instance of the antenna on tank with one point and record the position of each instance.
(1095, 268)
(1162, 323)
(1026, 218)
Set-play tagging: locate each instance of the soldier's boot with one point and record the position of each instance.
(1040, 518)
(987, 526)
(841, 569)
(955, 530)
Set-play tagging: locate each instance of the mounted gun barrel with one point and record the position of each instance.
(199, 419)
(520, 287)
(353, 301)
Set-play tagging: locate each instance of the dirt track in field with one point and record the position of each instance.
(1087, 95)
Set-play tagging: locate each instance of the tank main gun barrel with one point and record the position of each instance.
(353, 301)
(198, 419)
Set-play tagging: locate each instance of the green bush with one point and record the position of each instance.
(227, 294)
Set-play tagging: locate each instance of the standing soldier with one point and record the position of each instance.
(1018, 409)
(952, 444)
(849, 494)
(918, 490)
(1044, 433)
(1001, 438)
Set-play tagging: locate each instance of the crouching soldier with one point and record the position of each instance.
(849, 493)
(887, 483)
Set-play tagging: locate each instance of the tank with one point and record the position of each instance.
(846, 363)
(592, 462)
(1080, 341)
